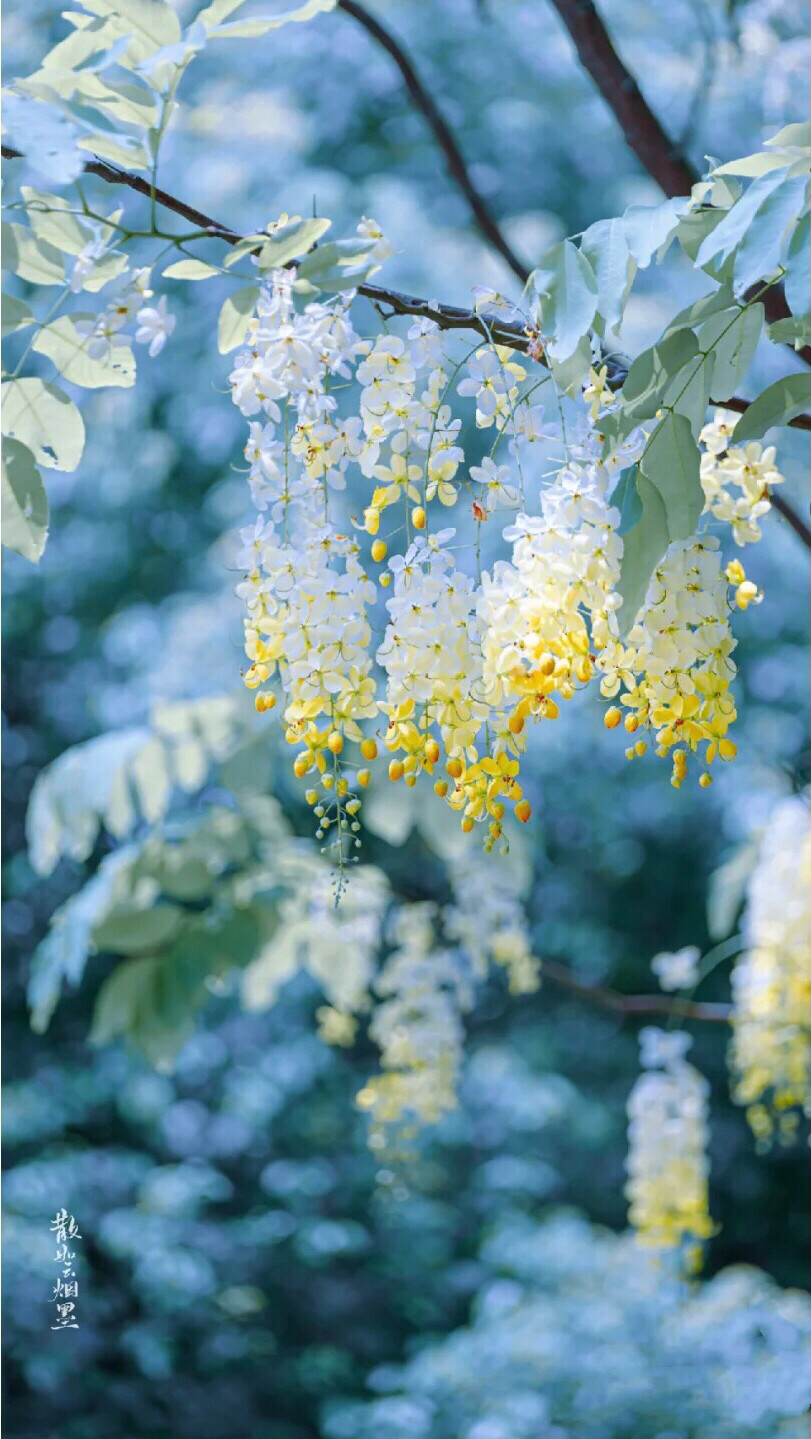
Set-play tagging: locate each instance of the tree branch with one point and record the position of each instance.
(511, 333)
(637, 1006)
(651, 144)
(425, 103)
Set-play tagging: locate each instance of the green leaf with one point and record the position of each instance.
(726, 890)
(131, 929)
(643, 547)
(795, 330)
(190, 270)
(651, 375)
(715, 303)
(16, 315)
(25, 503)
(245, 246)
(797, 279)
(50, 219)
(44, 419)
(762, 248)
(650, 228)
(235, 317)
(566, 287)
(671, 462)
(688, 393)
(251, 29)
(289, 241)
(606, 248)
(119, 151)
(570, 374)
(109, 267)
(337, 265)
(733, 341)
(124, 104)
(781, 402)
(625, 498)
(32, 259)
(63, 343)
(151, 23)
(719, 245)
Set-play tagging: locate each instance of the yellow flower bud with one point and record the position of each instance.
(379, 551)
(612, 717)
(705, 780)
(364, 776)
(371, 518)
(368, 748)
(441, 788)
(454, 768)
(515, 724)
(418, 518)
(727, 749)
(335, 743)
(631, 723)
(301, 764)
(467, 824)
(396, 769)
(342, 787)
(523, 810)
(735, 572)
(431, 750)
(311, 796)
(385, 581)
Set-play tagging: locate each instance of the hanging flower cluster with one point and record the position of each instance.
(129, 305)
(771, 982)
(667, 1164)
(417, 1027)
(465, 662)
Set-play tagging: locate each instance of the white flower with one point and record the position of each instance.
(678, 970)
(660, 1048)
(497, 491)
(155, 325)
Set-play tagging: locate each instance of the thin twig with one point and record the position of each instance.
(658, 152)
(637, 1006)
(512, 333)
(426, 104)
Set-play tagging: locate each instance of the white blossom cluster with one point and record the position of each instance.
(771, 982)
(465, 663)
(667, 1163)
(675, 667)
(129, 305)
(736, 479)
(417, 1027)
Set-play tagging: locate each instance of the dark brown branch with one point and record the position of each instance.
(425, 103)
(651, 144)
(789, 514)
(511, 333)
(636, 1006)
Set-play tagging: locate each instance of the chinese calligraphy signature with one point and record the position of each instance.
(66, 1289)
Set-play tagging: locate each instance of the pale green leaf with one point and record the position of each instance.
(797, 280)
(779, 404)
(734, 341)
(566, 287)
(792, 137)
(251, 29)
(16, 315)
(671, 462)
(235, 317)
(50, 219)
(119, 150)
(289, 241)
(129, 929)
(688, 393)
(725, 237)
(125, 104)
(795, 330)
(190, 270)
(43, 418)
(606, 248)
(63, 343)
(151, 23)
(643, 547)
(762, 248)
(650, 228)
(112, 264)
(25, 503)
(32, 259)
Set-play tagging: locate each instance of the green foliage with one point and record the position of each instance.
(25, 503)
(775, 406)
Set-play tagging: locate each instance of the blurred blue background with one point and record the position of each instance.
(247, 1263)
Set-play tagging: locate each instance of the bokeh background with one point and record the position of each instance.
(248, 1266)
